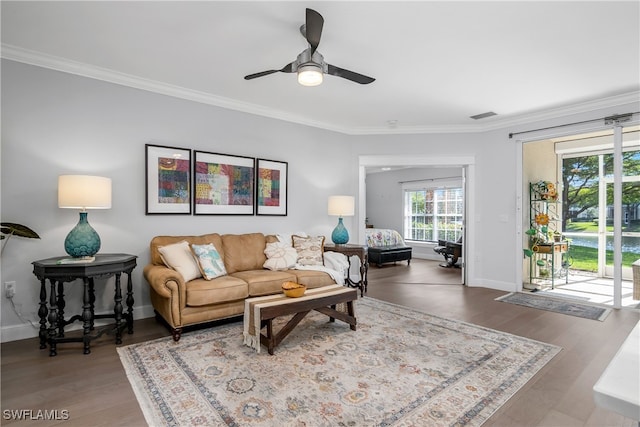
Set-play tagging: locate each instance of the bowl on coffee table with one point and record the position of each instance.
(293, 289)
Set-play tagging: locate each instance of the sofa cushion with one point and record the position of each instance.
(309, 249)
(243, 251)
(272, 238)
(158, 241)
(264, 282)
(209, 261)
(280, 256)
(312, 278)
(219, 290)
(178, 256)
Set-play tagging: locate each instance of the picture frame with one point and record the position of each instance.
(271, 187)
(223, 184)
(167, 180)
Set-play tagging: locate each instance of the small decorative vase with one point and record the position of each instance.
(83, 240)
(340, 235)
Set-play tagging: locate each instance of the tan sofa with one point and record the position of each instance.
(199, 301)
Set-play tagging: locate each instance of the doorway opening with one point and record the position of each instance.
(582, 240)
(461, 168)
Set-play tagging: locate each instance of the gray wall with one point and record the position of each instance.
(55, 123)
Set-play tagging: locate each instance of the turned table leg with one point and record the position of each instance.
(42, 313)
(118, 309)
(53, 319)
(129, 303)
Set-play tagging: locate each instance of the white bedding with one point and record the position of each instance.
(377, 237)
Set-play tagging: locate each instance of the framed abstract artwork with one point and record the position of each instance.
(271, 187)
(167, 180)
(223, 184)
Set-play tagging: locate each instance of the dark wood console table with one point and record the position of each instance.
(361, 252)
(57, 272)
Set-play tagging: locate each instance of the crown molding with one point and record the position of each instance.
(64, 65)
(39, 59)
(567, 110)
(497, 123)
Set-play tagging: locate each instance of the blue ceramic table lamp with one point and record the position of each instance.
(340, 206)
(83, 192)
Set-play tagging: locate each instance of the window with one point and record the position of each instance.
(432, 214)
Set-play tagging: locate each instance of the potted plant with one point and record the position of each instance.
(8, 229)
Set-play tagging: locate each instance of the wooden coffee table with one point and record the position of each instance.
(266, 309)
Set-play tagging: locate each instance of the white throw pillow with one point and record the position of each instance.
(280, 256)
(209, 261)
(309, 249)
(287, 238)
(178, 256)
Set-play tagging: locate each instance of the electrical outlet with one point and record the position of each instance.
(9, 289)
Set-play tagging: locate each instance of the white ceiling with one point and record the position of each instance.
(435, 63)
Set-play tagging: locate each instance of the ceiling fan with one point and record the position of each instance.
(310, 64)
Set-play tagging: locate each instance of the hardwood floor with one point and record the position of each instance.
(95, 391)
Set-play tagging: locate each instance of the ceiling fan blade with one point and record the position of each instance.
(286, 69)
(349, 75)
(314, 24)
(260, 74)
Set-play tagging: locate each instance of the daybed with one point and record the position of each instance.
(183, 296)
(385, 245)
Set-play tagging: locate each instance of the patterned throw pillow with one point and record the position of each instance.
(309, 249)
(209, 260)
(280, 256)
(178, 257)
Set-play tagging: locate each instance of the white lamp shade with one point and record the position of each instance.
(341, 206)
(84, 192)
(310, 75)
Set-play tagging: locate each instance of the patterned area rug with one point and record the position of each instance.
(401, 367)
(557, 305)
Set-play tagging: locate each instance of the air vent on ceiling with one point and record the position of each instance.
(483, 115)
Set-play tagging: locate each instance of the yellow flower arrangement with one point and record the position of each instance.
(546, 190)
(542, 219)
(552, 193)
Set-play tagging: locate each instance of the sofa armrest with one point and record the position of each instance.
(168, 293)
(164, 280)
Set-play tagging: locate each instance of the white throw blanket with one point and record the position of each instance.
(335, 265)
(337, 276)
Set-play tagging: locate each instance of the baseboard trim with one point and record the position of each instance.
(26, 330)
(493, 284)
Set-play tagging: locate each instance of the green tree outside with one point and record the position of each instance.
(580, 196)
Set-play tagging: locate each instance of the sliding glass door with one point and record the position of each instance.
(601, 209)
(630, 218)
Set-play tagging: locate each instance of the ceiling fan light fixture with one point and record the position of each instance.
(310, 75)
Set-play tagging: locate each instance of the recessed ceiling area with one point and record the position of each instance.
(436, 63)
